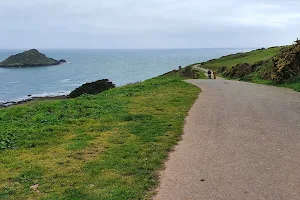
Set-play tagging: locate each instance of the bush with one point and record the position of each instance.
(240, 70)
(264, 71)
(186, 72)
(189, 72)
(92, 88)
(287, 64)
(222, 69)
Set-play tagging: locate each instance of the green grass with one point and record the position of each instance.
(248, 57)
(293, 85)
(256, 79)
(202, 75)
(107, 146)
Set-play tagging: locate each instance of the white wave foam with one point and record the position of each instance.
(27, 98)
(13, 82)
(50, 94)
(65, 80)
(75, 85)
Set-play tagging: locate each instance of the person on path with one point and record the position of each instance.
(209, 74)
(215, 74)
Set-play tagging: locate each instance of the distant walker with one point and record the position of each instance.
(209, 74)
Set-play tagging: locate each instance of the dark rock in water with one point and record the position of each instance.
(29, 95)
(92, 88)
(30, 58)
(62, 61)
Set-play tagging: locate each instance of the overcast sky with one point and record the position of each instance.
(148, 23)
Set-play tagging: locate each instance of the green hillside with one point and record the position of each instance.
(248, 57)
(279, 66)
(105, 146)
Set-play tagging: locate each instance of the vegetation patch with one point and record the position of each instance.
(8, 140)
(279, 66)
(189, 72)
(104, 146)
(92, 88)
(287, 64)
(248, 57)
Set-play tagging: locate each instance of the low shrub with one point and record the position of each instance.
(92, 88)
(287, 64)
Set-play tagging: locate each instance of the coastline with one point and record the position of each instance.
(13, 103)
(120, 66)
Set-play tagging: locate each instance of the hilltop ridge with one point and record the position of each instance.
(278, 66)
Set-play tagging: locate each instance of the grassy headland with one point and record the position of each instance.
(105, 146)
(277, 66)
(248, 57)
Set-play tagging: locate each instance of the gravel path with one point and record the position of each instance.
(241, 141)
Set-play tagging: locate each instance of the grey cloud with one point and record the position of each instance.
(147, 24)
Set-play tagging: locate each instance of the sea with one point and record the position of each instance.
(119, 66)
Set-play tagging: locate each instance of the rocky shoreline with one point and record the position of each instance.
(58, 62)
(87, 88)
(13, 103)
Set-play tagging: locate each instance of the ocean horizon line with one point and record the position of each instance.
(5, 49)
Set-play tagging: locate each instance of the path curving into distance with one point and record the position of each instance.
(241, 141)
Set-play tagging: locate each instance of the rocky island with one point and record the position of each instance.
(30, 58)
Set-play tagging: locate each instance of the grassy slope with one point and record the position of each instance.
(248, 57)
(251, 58)
(294, 85)
(107, 146)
